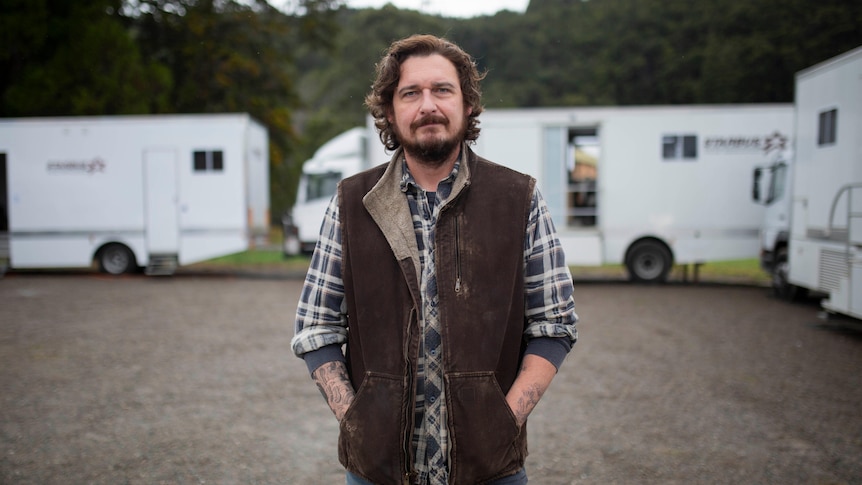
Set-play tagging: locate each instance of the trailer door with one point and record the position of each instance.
(554, 160)
(565, 186)
(161, 202)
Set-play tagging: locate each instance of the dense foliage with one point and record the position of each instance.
(105, 57)
(305, 74)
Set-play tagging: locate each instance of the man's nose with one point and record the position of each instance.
(429, 104)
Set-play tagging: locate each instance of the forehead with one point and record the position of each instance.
(417, 70)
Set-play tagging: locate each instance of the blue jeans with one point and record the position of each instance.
(519, 478)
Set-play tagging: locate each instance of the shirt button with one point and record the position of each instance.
(433, 351)
(432, 399)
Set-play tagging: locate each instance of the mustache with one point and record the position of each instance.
(429, 120)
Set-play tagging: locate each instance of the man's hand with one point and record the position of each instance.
(331, 378)
(533, 380)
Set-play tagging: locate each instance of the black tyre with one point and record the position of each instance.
(649, 262)
(116, 259)
(781, 286)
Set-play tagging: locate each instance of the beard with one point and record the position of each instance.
(435, 151)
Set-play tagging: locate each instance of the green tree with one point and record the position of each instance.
(752, 50)
(74, 58)
(334, 83)
(305, 74)
(230, 56)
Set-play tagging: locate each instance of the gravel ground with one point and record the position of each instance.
(190, 380)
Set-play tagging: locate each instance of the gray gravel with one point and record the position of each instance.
(190, 379)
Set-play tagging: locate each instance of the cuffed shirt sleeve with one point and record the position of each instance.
(321, 322)
(548, 290)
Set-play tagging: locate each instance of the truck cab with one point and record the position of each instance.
(341, 157)
(771, 188)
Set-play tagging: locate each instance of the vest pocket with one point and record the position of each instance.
(371, 434)
(486, 439)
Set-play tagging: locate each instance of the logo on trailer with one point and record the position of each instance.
(775, 142)
(747, 143)
(96, 165)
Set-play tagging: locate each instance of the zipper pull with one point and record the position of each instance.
(457, 255)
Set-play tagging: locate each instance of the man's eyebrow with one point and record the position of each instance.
(443, 84)
(437, 84)
(409, 87)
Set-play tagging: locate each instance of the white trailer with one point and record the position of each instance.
(131, 191)
(825, 249)
(340, 157)
(647, 187)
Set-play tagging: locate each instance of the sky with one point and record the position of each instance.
(448, 8)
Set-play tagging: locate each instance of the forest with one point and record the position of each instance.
(303, 71)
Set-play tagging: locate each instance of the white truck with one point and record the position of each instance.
(825, 246)
(771, 187)
(647, 187)
(130, 192)
(340, 157)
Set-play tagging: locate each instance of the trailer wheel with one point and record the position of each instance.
(649, 261)
(115, 259)
(781, 286)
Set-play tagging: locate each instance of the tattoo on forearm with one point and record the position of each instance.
(334, 384)
(526, 402)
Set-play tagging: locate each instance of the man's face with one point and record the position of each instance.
(428, 113)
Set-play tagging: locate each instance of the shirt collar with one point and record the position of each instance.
(409, 183)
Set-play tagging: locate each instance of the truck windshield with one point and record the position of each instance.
(321, 185)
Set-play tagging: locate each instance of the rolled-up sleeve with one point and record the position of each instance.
(548, 290)
(321, 322)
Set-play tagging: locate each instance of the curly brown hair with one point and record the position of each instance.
(379, 100)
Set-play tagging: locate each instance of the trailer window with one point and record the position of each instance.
(679, 147)
(208, 161)
(827, 127)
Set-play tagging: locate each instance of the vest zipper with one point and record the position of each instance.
(409, 411)
(457, 256)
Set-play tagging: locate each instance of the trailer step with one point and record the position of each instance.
(162, 265)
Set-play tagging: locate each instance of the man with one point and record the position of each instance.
(442, 274)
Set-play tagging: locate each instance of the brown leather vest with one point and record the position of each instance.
(480, 264)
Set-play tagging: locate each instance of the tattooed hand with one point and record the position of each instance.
(526, 401)
(533, 380)
(331, 378)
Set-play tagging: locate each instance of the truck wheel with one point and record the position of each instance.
(115, 259)
(291, 245)
(649, 262)
(781, 286)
